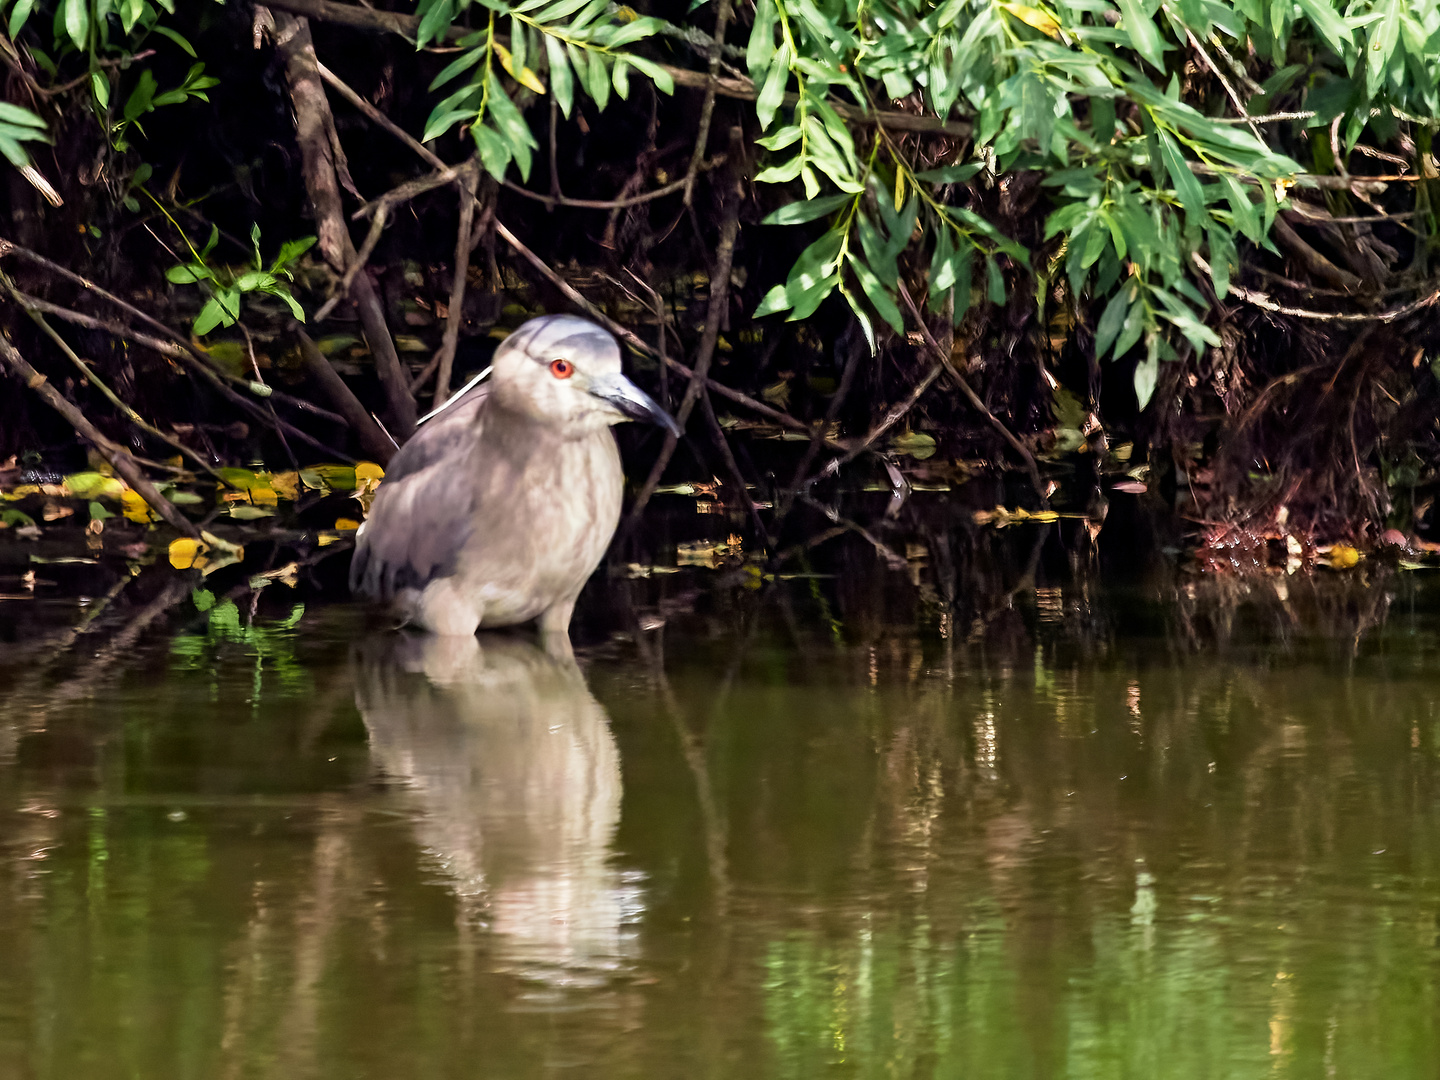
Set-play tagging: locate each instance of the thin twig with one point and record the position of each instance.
(733, 467)
(959, 380)
(182, 349)
(1224, 82)
(114, 398)
(119, 458)
(832, 412)
(1260, 300)
(611, 204)
(83, 80)
(707, 109)
(371, 436)
(367, 248)
(714, 314)
(464, 244)
(892, 417)
(374, 114)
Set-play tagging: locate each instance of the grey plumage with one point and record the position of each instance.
(501, 506)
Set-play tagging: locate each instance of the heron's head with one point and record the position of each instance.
(565, 371)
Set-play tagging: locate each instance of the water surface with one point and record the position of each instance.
(784, 832)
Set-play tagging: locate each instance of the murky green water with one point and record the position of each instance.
(1103, 834)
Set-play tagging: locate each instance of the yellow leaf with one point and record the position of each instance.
(263, 496)
(1040, 20)
(93, 485)
(326, 538)
(134, 507)
(346, 525)
(185, 552)
(286, 485)
(368, 470)
(1343, 556)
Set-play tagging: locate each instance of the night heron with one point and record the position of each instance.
(500, 507)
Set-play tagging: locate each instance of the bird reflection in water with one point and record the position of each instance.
(514, 778)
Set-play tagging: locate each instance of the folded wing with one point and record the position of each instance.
(422, 514)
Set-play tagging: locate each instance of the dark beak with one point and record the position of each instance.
(632, 401)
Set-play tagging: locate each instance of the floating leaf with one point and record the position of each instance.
(184, 552)
(914, 443)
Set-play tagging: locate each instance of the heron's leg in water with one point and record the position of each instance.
(446, 610)
(554, 626)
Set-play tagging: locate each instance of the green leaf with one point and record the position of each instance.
(809, 210)
(1186, 185)
(1147, 372)
(142, 97)
(464, 63)
(494, 151)
(1111, 321)
(284, 294)
(761, 48)
(14, 114)
(100, 87)
(662, 79)
(255, 279)
(994, 283)
(1132, 328)
(562, 83)
(179, 39)
(862, 317)
(878, 294)
(76, 15)
(1381, 41)
(1330, 25)
(776, 300)
(772, 93)
(510, 124)
(211, 242)
(942, 268)
(435, 18)
(188, 274)
(782, 173)
(290, 251)
(210, 317)
(1144, 34)
(20, 15)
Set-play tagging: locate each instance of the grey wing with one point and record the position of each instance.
(422, 514)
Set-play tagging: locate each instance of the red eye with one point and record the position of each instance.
(562, 369)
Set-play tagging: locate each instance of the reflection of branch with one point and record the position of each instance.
(77, 685)
(693, 750)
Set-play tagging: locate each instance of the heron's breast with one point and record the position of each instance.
(547, 526)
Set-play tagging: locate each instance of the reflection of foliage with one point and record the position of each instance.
(893, 1002)
(272, 644)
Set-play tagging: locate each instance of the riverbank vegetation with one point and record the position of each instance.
(1179, 249)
